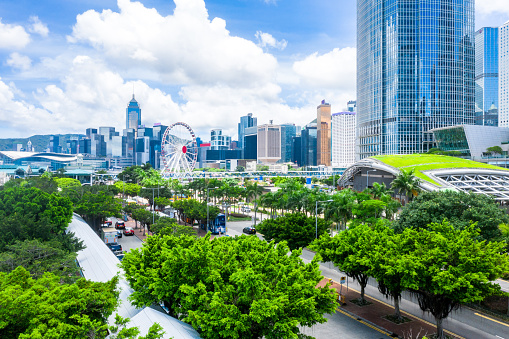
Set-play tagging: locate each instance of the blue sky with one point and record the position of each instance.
(69, 65)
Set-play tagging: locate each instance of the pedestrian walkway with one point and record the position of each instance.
(373, 315)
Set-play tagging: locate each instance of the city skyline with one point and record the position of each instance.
(64, 71)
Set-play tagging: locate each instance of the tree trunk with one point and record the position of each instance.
(440, 328)
(362, 292)
(397, 312)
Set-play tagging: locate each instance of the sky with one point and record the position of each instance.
(69, 65)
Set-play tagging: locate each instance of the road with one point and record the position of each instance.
(465, 322)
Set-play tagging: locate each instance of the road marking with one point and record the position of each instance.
(364, 323)
(415, 317)
(485, 317)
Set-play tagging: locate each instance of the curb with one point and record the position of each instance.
(368, 323)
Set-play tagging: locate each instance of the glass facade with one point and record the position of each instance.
(288, 132)
(415, 72)
(486, 76)
(133, 114)
(452, 139)
(245, 122)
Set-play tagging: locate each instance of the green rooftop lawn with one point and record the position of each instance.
(425, 162)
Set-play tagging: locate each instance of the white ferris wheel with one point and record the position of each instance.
(178, 150)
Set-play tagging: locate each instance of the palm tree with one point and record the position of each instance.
(407, 183)
(378, 190)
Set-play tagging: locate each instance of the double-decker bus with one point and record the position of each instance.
(218, 225)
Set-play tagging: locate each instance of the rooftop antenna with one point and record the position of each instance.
(133, 90)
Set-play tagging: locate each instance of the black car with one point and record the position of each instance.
(119, 234)
(114, 246)
(249, 230)
(119, 225)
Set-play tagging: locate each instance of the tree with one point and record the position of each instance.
(296, 229)
(46, 308)
(65, 183)
(227, 287)
(352, 251)
(459, 208)
(378, 190)
(169, 226)
(29, 213)
(450, 267)
(240, 169)
(94, 208)
(494, 150)
(407, 183)
(146, 218)
(131, 190)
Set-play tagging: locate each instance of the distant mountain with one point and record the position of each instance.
(39, 142)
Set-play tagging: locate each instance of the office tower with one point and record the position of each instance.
(245, 122)
(309, 144)
(72, 145)
(251, 143)
(90, 132)
(269, 143)
(288, 132)
(133, 114)
(351, 106)
(486, 76)
(128, 140)
(323, 130)
(218, 141)
(415, 72)
(54, 144)
(503, 71)
(297, 150)
(29, 146)
(343, 139)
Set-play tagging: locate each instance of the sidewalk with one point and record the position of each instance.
(373, 315)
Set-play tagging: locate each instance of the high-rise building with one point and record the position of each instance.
(297, 150)
(29, 146)
(309, 144)
(503, 71)
(219, 141)
(54, 144)
(251, 143)
(288, 132)
(486, 76)
(269, 143)
(133, 114)
(343, 139)
(323, 134)
(245, 122)
(351, 106)
(415, 72)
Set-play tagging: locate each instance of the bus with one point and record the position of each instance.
(218, 225)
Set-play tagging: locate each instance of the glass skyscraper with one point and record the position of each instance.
(415, 72)
(245, 122)
(486, 76)
(133, 114)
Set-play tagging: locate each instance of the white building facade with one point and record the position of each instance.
(269, 143)
(343, 139)
(503, 69)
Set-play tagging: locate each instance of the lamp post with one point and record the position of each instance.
(367, 177)
(208, 189)
(153, 203)
(316, 216)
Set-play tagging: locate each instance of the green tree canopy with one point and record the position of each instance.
(459, 208)
(46, 308)
(97, 207)
(227, 287)
(296, 229)
(407, 183)
(64, 183)
(450, 267)
(29, 213)
(494, 149)
(169, 226)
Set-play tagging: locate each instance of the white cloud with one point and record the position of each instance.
(38, 27)
(19, 61)
(13, 36)
(492, 6)
(184, 48)
(267, 40)
(333, 70)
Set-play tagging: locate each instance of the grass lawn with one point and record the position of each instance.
(425, 162)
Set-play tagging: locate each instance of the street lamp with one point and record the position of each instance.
(367, 176)
(153, 203)
(316, 216)
(208, 189)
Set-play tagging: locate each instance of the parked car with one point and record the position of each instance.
(246, 209)
(118, 252)
(120, 225)
(119, 234)
(108, 223)
(114, 246)
(120, 257)
(249, 230)
(128, 231)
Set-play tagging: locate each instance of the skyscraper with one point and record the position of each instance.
(269, 143)
(323, 134)
(486, 76)
(133, 114)
(503, 69)
(288, 132)
(343, 139)
(245, 122)
(415, 72)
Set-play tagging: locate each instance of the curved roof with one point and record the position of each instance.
(440, 172)
(14, 155)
